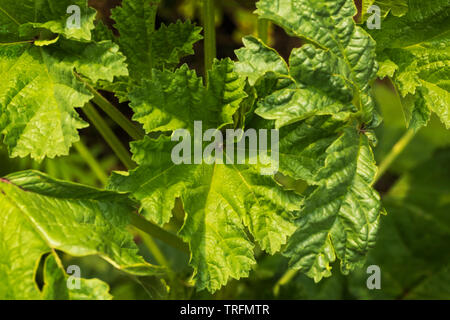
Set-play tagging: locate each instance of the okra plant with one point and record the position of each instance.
(263, 165)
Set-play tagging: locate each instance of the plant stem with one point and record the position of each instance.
(129, 127)
(209, 25)
(263, 30)
(134, 132)
(396, 150)
(109, 136)
(91, 161)
(287, 276)
(157, 232)
(153, 248)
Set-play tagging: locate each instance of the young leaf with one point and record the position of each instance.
(414, 51)
(146, 48)
(322, 103)
(157, 102)
(213, 195)
(46, 214)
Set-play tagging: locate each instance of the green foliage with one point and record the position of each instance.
(330, 75)
(40, 89)
(55, 215)
(147, 48)
(208, 191)
(413, 50)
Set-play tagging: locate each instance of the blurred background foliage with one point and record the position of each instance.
(412, 247)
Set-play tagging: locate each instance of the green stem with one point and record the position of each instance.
(396, 150)
(133, 131)
(153, 248)
(109, 136)
(263, 30)
(209, 25)
(157, 232)
(91, 161)
(287, 276)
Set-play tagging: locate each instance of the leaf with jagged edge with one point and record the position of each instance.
(336, 67)
(39, 92)
(42, 214)
(287, 98)
(303, 146)
(135, 21)
(147, 48)
(340, 216)
(56, 284)
(397, 8)
(174, 100)
(220, 202)
(173, 42)
(413, 49)
(23, 20)
(256, 59)
(320, 101)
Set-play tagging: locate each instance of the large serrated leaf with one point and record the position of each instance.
(40, 91)
(42, 214)
(340, 217)
(219, 201)
(157, 102)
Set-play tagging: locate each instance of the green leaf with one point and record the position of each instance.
(339, 218)
(213, 195)
(56, 288)
(45, 214)
(26, 19)
(415, 48)
(40, 91)
(146, 48)
(219, 200)
(173, 42)
(339, 63)
(397, 8)
(256, 59)
(135, 21)
(157, 102)
(303, 146)
(311, 86)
